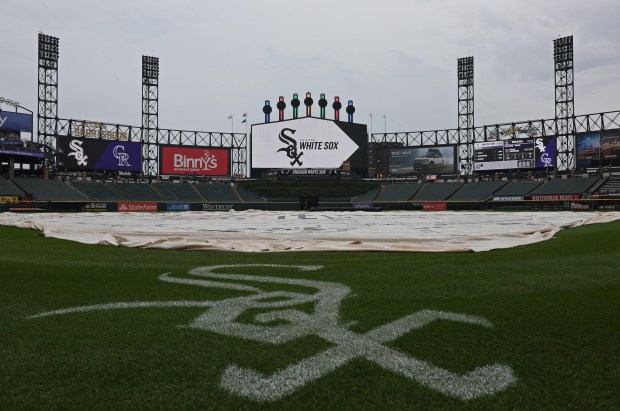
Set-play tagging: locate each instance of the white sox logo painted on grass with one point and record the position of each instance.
(221, 318)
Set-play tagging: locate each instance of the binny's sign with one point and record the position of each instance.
(274, 317)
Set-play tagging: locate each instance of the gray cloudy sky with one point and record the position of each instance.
(393, 57)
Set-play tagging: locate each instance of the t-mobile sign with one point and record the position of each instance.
(202, 161)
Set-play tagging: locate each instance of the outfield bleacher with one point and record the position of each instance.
(518, 188)
(138, 191)
(99, 191)
(366, 197)
(217, 192)
(249, 196)
(478, 191)
(436, 191)
(398, 192)
(565, 186)
(179, 192)
(7, 188)
(49, 190)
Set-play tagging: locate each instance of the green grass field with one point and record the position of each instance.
(554, 309)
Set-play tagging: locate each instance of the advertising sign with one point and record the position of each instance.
(102, 155)
(598, 149)
(137, 206)
(201, 161)
(434, 206)
(15, 121)
(414, 160)
(177, 207)
(538, 152)
(309, 143)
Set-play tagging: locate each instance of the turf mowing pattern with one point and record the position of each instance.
(553, 307)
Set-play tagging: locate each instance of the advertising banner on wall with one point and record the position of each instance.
(15, 121)
(414, 160)
(309, 143)
(101, 155)
(598, 149)
(538, 152)
(199, 161)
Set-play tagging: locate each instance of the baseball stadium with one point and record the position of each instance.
(467, 268)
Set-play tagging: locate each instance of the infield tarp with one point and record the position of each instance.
(254, 231)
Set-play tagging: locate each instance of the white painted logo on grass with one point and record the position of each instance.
(221, 317)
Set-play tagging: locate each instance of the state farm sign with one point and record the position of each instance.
(205, 161)
(135, 206)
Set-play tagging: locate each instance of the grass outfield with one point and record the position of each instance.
(554, 308)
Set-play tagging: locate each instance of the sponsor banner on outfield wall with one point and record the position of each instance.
(556, 197)
(95, 207)
(539, 152)
(136, 206)
(579, 206)
(434, 206)
(361, 205)
(309, 143)
(200, 161)
(9, 199)
(508, 198)
(102, 155)
(598, 149)
(217, 207)
(15, 121)
(177, 207)
(414, 160)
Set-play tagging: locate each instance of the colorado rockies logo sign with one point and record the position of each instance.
(221, 317)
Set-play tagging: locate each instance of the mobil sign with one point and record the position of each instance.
(202, 161)
(308, 143)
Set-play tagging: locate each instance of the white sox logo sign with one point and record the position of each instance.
(221, 317)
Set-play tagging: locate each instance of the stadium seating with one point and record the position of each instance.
(480, 191)
(99, 191)
(179, 192)
(50, 190)
(565, 186)
(436, 191)
(611, 187)
(398, 192)
(217, 192)
(369, 196)
(138, 191)
(249, 196)
(9, 189)
(518, 188)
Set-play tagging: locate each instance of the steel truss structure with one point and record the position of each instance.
(577, 124)
(564, 100)
(47, 102)
(150, 113)
(149, 134)
(236, 142)
(465, 77)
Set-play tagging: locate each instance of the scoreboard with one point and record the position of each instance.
(538, 152)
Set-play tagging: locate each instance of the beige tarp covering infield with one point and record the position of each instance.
(254, 231)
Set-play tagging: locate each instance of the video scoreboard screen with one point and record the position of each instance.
(515, 154)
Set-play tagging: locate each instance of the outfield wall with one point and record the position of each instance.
(546, 204)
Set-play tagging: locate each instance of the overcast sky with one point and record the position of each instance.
(393, 57)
